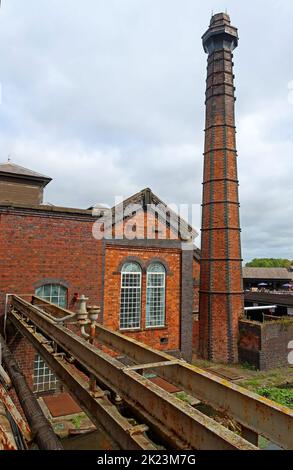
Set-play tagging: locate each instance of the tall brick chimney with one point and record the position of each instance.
(221, 285)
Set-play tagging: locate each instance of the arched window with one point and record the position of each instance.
(130, 306)
(54, 293)
(156, 294)
(44, 379)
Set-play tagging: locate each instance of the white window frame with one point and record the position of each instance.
(61, 294)
(44, 379)
(123, 288)
(41, 370)
(149, 288)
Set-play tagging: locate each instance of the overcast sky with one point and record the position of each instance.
(107, 97)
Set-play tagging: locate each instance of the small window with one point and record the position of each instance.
(54, 293)
(44, 379)
(156, 287)
(130, 305)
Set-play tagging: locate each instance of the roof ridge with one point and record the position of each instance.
(13, 168)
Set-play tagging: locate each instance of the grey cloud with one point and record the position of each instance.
(107, 97)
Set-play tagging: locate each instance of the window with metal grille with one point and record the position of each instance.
(44, 379)
(54, 293)
(130, 303)
(156, 294)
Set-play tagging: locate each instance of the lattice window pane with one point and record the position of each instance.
(156, 294)
(130, 304)
(54, 293)
(44, 379)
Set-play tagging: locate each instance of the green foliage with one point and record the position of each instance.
(263, 443)
(280, 395)
(269, 263)
(182, 396)
(247, 366)
(77, 420)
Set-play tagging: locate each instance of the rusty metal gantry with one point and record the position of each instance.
(179, 425)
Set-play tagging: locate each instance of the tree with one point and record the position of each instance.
(269, 263)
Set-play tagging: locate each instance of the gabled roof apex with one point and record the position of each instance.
(146, 198)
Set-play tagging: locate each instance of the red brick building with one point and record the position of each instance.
(138, 271)
(138, 260)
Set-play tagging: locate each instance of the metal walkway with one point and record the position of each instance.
(161, 415)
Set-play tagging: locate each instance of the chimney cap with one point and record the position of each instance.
(220, 17)
(220, 35)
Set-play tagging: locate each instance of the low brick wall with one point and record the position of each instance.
(249, 342)
(265, 345)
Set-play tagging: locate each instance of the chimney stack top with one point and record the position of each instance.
(220, 35)
(220, 19)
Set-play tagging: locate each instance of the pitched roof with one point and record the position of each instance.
(19, 171)
(269, 298)
(267, 273)
(146, 198)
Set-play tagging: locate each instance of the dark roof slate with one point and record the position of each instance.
(17, 170)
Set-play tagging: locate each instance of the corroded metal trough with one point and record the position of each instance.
(179, 425)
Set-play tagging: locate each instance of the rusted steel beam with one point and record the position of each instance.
(176, 421)
(153, 365)
(41, 429)
(10, 406)
(53, 311)
(5, 377)
(96, 405)
(260, 415)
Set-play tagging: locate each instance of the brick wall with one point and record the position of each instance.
(144, 225)
(265, 345)
(275, 339)
(249, 342)
(37, 248)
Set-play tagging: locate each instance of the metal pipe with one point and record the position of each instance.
(41, 429)
(84, 334)
(260, 307)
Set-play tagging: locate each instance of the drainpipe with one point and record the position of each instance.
(42, 431)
